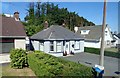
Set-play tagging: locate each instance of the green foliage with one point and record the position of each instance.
(18, 58)
(39, 12)
(97, 51)
(47, 65)
(30, 30)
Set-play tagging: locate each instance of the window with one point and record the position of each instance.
(77, 45)
(51, 46)
(84, 31)
(108, 42)
(105, 31)
(59, 47)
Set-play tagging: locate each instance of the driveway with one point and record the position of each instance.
(4, 58)
(110, 63)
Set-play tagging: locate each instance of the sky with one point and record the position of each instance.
(92, 11)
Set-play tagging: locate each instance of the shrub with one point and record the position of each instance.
(97, 51)
(18, 58)
(47, 65)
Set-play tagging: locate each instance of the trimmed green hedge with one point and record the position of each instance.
(47, 65)
(18, 58)
(97, 51)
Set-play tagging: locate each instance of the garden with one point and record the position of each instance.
(41, 64)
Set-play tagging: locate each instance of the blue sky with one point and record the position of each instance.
(92, 11)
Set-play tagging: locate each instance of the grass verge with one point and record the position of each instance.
(8, 71)
(107, 53)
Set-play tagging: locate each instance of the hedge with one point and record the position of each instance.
(97, 51)
(18, 58)
(47, 65)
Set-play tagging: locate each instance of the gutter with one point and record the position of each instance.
(13, 36)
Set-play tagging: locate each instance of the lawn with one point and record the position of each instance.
(112, 49)
(8, 71)
(107, 53)
(0, 70)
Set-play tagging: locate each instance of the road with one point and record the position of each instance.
(110, 63)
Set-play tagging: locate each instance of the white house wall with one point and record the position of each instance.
(20, 43)
(35, 45)
(47, 46)
(108, 35)
(92, 44)
(81, 46)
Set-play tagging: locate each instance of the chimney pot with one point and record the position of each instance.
(46, 24)
(16, 16)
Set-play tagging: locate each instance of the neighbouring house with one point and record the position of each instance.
(12, 33)
(57, 40)
(116, 40)
(92, 35)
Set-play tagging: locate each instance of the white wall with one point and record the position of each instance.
(41, 46)
(35, 45)
(92, 44)
(108, 37)
(20, 43)
(81, 46)
(46, 46)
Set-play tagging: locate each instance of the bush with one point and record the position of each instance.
(97, 51)
(47, 65)
(18, 58)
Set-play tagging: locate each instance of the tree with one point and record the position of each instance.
(39, 12)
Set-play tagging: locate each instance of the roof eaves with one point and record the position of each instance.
(13, 36)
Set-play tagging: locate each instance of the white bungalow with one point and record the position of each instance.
(57, 40)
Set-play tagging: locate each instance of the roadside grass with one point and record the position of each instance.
(112, 49)
(107, 53)
(8, 71)
(0, 71)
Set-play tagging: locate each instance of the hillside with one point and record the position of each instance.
(39, 12)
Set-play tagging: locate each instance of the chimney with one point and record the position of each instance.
(45, 25)
(75, 29)
(16, 16)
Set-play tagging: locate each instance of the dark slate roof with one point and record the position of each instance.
(56, 32)
(11, 27)
(94, 34)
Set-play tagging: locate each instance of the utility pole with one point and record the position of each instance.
(103, 36)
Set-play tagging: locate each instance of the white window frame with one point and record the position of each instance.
(58, 44)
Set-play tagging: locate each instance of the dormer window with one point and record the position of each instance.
(85, 32)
